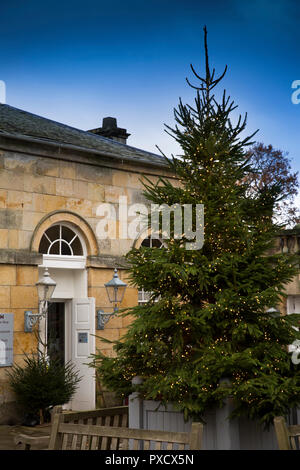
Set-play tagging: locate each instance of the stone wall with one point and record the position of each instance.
(35, 192)
(17, 294)
(31, 187)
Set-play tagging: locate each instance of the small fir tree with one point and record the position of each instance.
(208, 317)
(43, 382)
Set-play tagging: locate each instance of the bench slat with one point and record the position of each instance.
(115, 441)
(110, 431)
(114, 444)
(65, 442)
(74, 442)
(124, 423)
(104, 443)
(95, 439)
(135, 444)
(71, 416)
(146, 445)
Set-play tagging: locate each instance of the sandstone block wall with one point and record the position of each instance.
(35, 192)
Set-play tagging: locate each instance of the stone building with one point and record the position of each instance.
(52, 180)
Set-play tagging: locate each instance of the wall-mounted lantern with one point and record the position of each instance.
(45, 288)
(115, 289)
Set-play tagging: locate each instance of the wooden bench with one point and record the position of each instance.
(114, 416)
(288, 437)
(67, 436)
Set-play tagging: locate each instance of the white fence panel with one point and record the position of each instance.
(218, 432)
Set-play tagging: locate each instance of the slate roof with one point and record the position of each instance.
(19, 123)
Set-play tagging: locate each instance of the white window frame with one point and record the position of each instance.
(66, 261)
(60, 239)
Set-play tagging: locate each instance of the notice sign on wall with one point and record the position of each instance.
(6, 339)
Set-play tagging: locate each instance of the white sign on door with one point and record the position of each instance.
(6, 339)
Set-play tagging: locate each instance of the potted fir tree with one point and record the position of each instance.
(42, 383)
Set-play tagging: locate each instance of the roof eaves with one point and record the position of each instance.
(106, 154)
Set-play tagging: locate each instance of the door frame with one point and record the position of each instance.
(67, 294)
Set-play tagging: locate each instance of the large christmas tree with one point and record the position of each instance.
(208, 316)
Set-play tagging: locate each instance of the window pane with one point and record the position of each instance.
(156, 243)
(54, 250)
(44, 245)
(65, 249)
(151, 242)
(146, 242)
(67, 234)
(76, 247)
(53, 232)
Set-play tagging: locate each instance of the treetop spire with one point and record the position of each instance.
(208, 83)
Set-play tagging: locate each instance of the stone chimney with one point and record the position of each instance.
(110, 130)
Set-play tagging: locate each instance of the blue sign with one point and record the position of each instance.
(82, 337)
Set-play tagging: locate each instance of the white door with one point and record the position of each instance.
(82, 346)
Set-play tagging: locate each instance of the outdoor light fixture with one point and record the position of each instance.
(115, 289)
(45, 288)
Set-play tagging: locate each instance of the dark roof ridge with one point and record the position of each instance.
(72, 135)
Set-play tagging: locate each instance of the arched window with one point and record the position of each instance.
(144, 296)
(152, 242)
(61, 240)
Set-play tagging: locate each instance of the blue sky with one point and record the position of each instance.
(79, 61)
